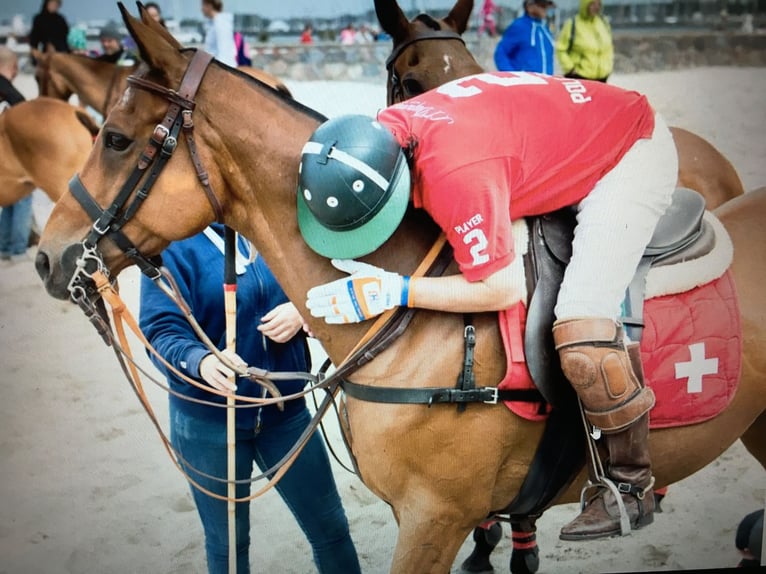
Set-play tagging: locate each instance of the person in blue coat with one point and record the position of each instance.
(527, 44)
(269, 336)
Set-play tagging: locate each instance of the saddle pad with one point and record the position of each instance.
(691, 350)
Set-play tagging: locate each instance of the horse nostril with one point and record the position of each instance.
(43, 265)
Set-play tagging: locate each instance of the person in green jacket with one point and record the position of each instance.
(584, 45)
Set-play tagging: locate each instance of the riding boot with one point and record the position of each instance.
(630, 469)
(609, 382)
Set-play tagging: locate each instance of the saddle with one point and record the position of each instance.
(680, 235)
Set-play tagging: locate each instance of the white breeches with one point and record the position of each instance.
(614, 225)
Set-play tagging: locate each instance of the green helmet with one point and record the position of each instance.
(354, 187)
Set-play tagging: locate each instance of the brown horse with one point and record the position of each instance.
(43, 142)
(441, 471)
(424, 61)
(99, 84)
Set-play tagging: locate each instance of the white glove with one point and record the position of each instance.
(218, 375)
(366, 293)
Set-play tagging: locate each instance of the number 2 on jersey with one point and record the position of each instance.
(478, 242)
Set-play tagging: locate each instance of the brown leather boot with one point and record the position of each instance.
(609, 381)
(630, 469)
(596, 362)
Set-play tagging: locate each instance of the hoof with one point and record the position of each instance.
(486, 540)
(525, 561)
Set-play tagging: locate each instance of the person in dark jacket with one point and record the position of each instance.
(113, 50)
(49, 28)
(9, 69)
(153, 9)
(269, 336)
(16, 219)
(527, 44)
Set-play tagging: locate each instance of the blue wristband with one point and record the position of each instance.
(405, 290)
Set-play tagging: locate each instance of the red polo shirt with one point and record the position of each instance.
(494, 147)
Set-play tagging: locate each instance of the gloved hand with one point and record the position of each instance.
(366, 293)
(216, 374)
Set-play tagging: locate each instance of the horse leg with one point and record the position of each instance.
(754, 439)
(525, 555)
(428, 540)
(486, 536)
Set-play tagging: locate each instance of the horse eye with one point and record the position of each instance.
(412, 87)
(116, 141)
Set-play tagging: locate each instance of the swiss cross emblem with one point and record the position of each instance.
(696, 368)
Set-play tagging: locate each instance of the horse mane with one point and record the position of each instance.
(428, 21)
(287, 99)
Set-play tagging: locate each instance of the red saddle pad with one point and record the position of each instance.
(691, 350)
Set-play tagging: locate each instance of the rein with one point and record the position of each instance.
(379, 337)
(90, 287)
(393, 78)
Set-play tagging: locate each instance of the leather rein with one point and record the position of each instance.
(90, 286)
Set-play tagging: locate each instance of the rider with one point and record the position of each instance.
(553, 142)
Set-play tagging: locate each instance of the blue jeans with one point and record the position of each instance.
(317, 509)
(15, 224)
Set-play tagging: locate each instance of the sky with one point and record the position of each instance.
(80, 10)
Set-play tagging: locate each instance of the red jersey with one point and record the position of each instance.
(494, 147)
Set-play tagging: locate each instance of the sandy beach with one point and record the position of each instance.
(86, 486)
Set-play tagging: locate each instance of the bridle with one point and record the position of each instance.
(394, 81)
(155, 156)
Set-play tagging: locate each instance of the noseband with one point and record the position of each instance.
(155, 156)
(393, 79)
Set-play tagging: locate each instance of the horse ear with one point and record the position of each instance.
(156, 26)
(36, 54)
(459, 15)
(154, 49)
(392, 19)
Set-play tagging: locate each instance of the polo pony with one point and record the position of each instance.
(441, 471)
(99, 84)
(43, 154)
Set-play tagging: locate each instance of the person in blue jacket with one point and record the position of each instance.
(269, 336)
(527, 44)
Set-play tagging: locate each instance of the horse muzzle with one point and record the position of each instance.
(69, 275)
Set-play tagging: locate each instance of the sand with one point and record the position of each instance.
(86, 487)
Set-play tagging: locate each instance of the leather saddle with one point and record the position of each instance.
(680, 235)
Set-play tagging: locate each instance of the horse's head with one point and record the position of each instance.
(50, 83)
(427, 52)
(130, 167)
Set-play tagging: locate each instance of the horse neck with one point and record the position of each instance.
(260, 203)
(86, 77)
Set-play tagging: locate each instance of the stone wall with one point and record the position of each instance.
(634, 52)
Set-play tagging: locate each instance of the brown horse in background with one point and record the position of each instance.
(43, 142)
(100, 84)
(426, 61)
(441, 471)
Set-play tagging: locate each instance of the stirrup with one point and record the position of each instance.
(617, 492)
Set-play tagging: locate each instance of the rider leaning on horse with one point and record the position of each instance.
(476, 154)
